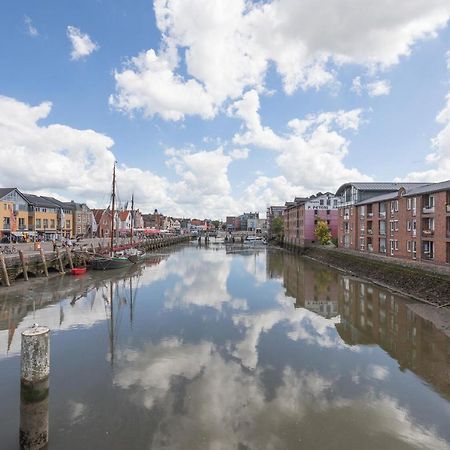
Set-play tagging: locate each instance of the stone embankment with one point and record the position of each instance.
(41, 263)
(423, 282)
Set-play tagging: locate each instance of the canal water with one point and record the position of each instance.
(230, 348)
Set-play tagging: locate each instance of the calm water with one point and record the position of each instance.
(209, 349)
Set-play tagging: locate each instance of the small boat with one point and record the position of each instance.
(114, 262)
(78, 270)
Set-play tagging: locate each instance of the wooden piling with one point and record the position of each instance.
(69, 257)
(44, 262)
(4, 271)
(24, 265)
(61, 265)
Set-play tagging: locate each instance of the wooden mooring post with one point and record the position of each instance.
(44, 262)
(61, 265)
(5, 275)
(69, 257)
(24, 265)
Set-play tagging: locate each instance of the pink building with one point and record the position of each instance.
(302, 215)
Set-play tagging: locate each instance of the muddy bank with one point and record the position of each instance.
(426, 285)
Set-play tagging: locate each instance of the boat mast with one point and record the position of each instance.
(113, 201)
(132, 218)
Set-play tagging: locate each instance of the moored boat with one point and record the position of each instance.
(78, 270)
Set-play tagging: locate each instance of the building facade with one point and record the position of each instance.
(13, 213)
(411, 222)
(302, 215)
(272, 213)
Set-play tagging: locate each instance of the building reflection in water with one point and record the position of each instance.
(369, 315)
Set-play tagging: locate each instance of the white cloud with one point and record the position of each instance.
(226, 47)
(150, 85)
(439, 159)
(82, 45)
(45, 156)
(377, 88)
(310, 156)
(203, 180)
(373, 88)
(357, 86)
(31, 29)
(240, 153)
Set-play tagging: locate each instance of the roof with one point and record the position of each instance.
(429, 188)
(379, 186)
(98, 214)
(36, 200)
(59, 203)
(123, 215)
(5, 191)
(379, 198)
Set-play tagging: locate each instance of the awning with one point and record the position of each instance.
(17, 233)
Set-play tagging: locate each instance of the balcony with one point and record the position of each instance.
(369, 231)
(427, 233)
(383, 214)
(428, 210)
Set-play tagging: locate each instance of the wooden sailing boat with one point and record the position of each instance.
(134, 254)
(115, 261)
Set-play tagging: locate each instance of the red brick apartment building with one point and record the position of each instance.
(302, 215)
(402, 220)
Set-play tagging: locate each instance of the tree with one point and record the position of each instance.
(322, 232)
(277, 226)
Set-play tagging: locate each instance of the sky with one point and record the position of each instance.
(215, 107)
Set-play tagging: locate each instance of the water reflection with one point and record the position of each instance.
(209, 348)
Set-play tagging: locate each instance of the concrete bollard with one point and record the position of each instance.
(35, 354)
(34, 388)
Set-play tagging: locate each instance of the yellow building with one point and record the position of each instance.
(42, 217)
(13, 212)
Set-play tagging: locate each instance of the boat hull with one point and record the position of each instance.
(111, 263)
(78, 270)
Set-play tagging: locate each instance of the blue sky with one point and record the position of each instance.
(199, 123)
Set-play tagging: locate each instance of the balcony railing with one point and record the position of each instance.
(346, 216)
(428, 210)
(369, 231)
(6, 226)
(447, 208)
(383, 232)
(428, 232)
(370, 214)
(382, 213)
